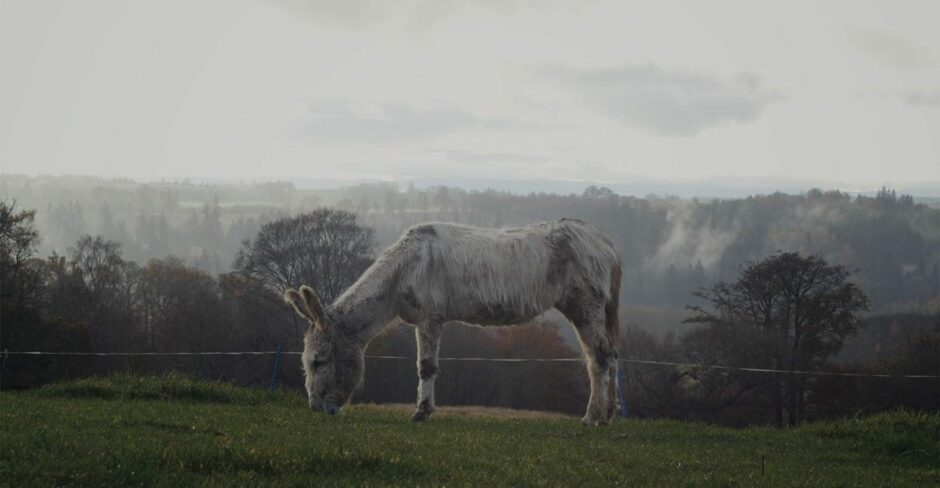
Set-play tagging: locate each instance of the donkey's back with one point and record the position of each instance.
(503, 276)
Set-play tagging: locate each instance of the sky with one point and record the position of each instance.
(838, 94)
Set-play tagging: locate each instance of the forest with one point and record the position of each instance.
(92, 264)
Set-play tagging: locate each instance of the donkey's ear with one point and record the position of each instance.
(300, 306)
(313, 304)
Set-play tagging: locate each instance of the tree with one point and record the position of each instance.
(99, 263)
(325, 249)
(259, 316)
(94, 288)
(181, 308)
(18, 241)
(787, 312)
(24, 326)
(257, 320)
(598, 192)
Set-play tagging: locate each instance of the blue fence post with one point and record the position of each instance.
(277, 362)
(620, 390)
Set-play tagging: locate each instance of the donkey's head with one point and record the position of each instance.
(333, 361)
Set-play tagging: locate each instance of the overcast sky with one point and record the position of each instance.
(842, 94)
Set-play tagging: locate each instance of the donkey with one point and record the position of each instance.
(441, 272)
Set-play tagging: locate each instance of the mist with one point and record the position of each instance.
(670, 245)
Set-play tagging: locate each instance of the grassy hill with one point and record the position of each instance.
(134, 430)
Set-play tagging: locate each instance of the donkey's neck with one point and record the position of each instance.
(366, 308)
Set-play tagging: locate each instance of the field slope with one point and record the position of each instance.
(171, 431)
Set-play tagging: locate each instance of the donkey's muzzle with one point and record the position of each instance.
(323, 406)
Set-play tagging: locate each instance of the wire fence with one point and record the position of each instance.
(484, 359)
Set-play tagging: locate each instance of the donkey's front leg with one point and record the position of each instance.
(428, 336)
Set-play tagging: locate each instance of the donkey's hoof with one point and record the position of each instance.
(423, 412)
(420, 416)
(589, 420)
(612, 414)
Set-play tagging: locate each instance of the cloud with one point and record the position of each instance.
(672, 103)
(474, 157)
(411, 12)
(331, 10)
(892, 50)
(923, 98)
(343, 120)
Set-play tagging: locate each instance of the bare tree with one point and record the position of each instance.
(259, 316)
(97, 283)
(786, 312)
(326, 249)
(99, 264)
(181, 308)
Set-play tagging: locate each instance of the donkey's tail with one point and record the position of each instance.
(612, 308)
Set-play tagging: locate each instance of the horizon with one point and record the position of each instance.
(642, 187)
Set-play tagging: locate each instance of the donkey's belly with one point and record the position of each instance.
(493, 314)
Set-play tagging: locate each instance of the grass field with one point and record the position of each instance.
(126, 430)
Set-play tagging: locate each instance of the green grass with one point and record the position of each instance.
(125, 430)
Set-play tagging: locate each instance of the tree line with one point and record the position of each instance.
(669, 245)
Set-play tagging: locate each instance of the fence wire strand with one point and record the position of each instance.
(482, 359)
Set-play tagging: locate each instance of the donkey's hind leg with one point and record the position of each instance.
(589, 321)
(428, 337)
(611, 315)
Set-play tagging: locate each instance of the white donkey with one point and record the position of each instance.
(440, 272)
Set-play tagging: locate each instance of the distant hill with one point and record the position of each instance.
(670, 244)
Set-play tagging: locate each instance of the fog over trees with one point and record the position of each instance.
(670, 246)
(91, 264)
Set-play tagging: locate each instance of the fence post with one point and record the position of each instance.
(277, 362)
(620, 391)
